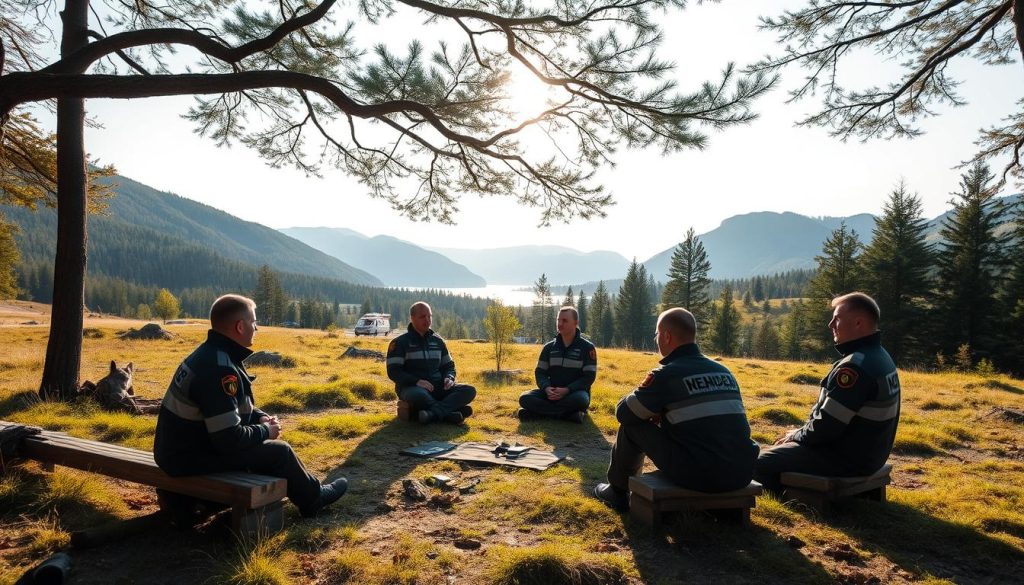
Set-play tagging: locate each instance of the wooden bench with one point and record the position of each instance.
(255, 500)
(817, 491)
(652, 494)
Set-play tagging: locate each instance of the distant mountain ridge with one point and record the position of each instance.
(524, 264)
(149, 236)
(395, 262)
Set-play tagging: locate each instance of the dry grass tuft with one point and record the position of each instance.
(554, 563)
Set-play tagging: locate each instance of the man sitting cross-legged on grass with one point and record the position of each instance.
(687, 416)
(424, 373)
(853, 425)
(208, 420)
(565, 371)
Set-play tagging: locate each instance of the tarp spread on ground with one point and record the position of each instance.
(488, 453)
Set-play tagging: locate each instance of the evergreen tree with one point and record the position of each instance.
(759, 289)
(634, 318)
(581, 308)
(837, 274)
(725, 327)
(748, 299)
(895, 267)
(601, 324)
(971, 267)
(766, 307)
(569, 300)
(688, 281)
(1012, 298)
(767, 343)
(166, 305)
(9, 258)
(542, 312)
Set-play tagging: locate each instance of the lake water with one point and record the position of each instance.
(510, 294)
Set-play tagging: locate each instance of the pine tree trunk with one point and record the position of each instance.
(1018, 24)
(64, 348)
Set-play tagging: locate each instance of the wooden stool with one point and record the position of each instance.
(651, 494)
(406, 412)
(817, 491)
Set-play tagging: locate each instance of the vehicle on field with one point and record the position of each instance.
(373, 324)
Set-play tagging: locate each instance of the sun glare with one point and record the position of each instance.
(527, 97)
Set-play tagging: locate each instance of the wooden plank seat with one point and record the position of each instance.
(818, 491)
(255, 500)
(652, 494)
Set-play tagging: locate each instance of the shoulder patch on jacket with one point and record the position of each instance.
(391, 346)
(648, 380)
(229, 384)
(593, 354)
(846, 378)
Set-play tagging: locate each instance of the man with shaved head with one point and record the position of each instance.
(423, 371)
(687, 416)
(853, 425)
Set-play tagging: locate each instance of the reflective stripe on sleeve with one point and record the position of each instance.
(879, 413)
(222, 421)
(638, 408)
(182, 408)
(396, 361)
(416, 355)
(838, 411)
(566, 363)
(590, 368)
(542, 365)
(705, 409)
(556, 361)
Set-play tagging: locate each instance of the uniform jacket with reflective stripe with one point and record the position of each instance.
(413, 357)
(198, 415)
(573, 367)
(698, 401)
(858, 407)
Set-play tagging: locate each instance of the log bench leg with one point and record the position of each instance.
(406, 412)
(875, 495)
(817, 501)
(265, 520)
(644, 512)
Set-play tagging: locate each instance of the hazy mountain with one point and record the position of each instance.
(394, 261)
(765, 242)
(524, 264)
(201, 225)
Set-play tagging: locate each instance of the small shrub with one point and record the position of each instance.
(93, 333)
(551, 563)
(47, 537)
(804, 378)
(262, 564)
(777, 415)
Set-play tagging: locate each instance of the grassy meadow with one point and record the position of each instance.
(955, 512)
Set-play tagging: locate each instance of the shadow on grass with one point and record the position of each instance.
(376, 463)
(693, 547)
(17, 402)
(924, 544)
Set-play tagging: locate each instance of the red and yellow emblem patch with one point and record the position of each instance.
(593, 354)
(648, 380)
(846, 378)
(229, 384)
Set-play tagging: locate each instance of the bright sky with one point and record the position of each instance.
(769, 165)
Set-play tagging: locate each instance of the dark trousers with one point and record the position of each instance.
(632, 443)
(440, 401)
(273, 458)
(773, 461)
(536, 401)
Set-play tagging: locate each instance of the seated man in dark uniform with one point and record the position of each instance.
(565, 371)
(853, 425)
(209, 422)
(424, 373)
(687, 416)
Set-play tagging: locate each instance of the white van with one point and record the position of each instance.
(374, 324)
